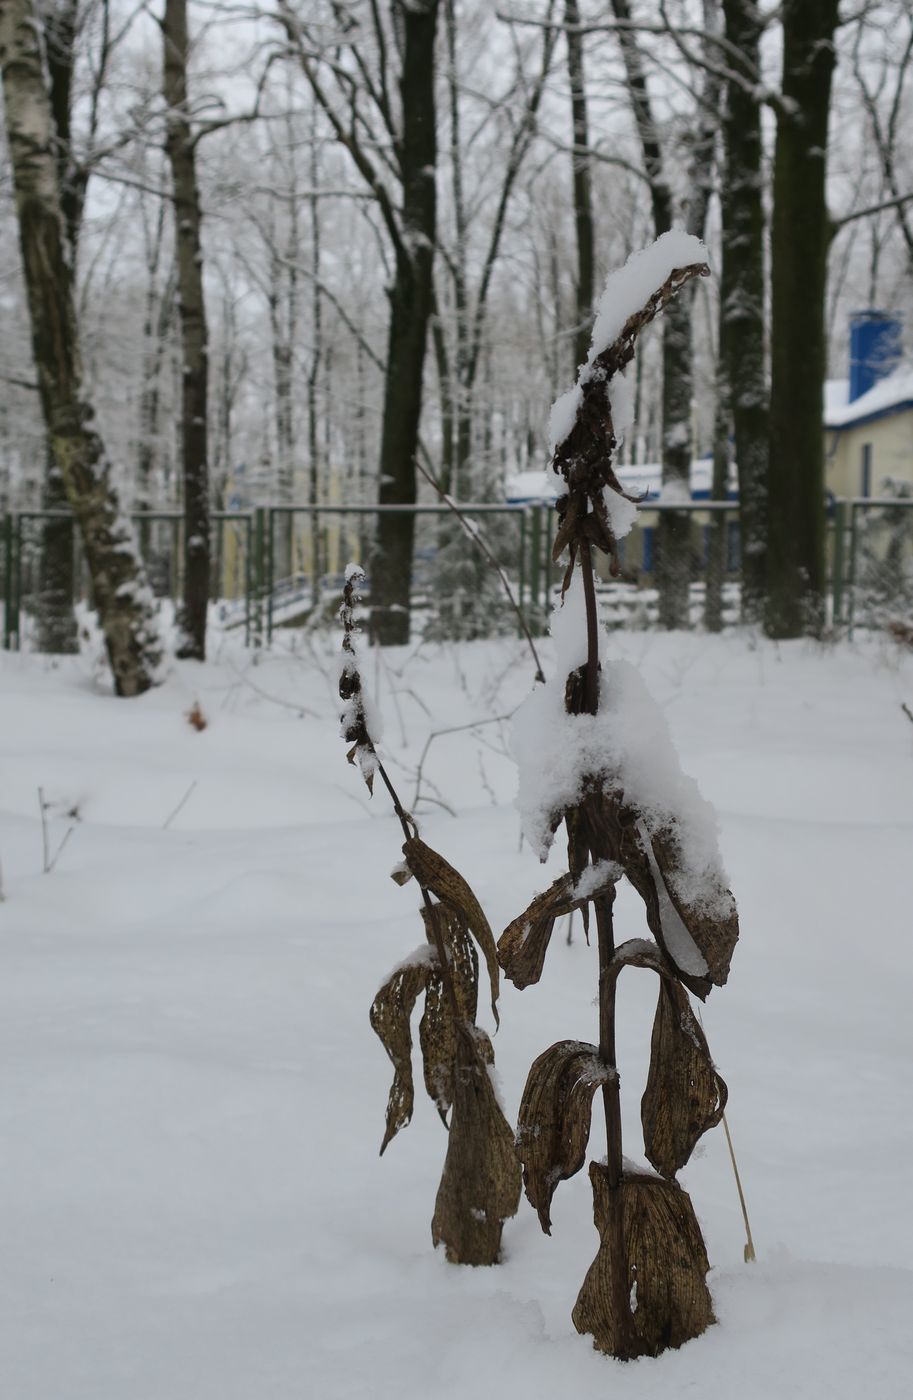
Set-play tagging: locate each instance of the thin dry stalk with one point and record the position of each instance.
(749, 1242)
(480, 1186)
(49, 861)
(183, 802)
(482, 546)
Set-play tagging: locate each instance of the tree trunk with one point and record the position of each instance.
(583, 201)
(121, 596)
(180, 149)
(317, 357)
(57, 632)
(742, 298)
(410, 308)
(799, 243)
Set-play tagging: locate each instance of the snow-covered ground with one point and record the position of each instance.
(191, 1099)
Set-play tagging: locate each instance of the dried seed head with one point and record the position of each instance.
(353, 722)
(584, 456)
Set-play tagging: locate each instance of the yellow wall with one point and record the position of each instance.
(891, 439)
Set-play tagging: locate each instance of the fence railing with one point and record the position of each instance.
(282, 566)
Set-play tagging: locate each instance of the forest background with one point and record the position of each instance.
(393, 221)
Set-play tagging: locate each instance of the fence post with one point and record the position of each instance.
(248, 576)
(270, 572)
(257, 572)
(7, 580)
(839, 529)
(852, 571)
(535, 565)
(522, 579)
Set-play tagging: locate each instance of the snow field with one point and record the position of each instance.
(191, 1099)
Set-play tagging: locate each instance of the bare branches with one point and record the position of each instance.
(346, 133)
(482, 545)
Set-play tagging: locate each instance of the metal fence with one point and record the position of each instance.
(282, 566)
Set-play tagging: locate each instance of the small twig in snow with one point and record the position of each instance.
(44, 831)
(168, 820)
(57, 854)
(48, 861)
(437, 734)
(907, 711)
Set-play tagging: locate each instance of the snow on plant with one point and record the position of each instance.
(480, 1185)
(594, 753)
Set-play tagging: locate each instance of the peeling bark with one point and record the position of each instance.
(119, 587)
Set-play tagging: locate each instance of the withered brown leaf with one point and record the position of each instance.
(480, 1185)
(437, 1028)
(436, 874)
(715, 933)
(553, 1126)
(524, 943)
(646, 1289)
(685, 1096)
(390, 1014)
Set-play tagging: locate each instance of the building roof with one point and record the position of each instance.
(893, 394)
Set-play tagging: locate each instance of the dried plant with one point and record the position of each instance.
(646, 1289)
(480, 1185)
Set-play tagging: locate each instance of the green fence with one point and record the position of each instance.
(282, 566)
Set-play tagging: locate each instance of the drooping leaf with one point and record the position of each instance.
(685, 1096)
(480, 1185)
(553, 1126)
(524, 943)
(437, 1028)
(391, 1011)
(438, 875)
(713, 923)
(646, 1289)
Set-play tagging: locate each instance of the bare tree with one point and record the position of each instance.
(799, 243)
(386, 144)
(119, 587)
(181, 147)
(743, 379)
(674, 534)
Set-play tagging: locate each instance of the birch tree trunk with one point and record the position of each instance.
(799, 245)
(123, 600)
(180, 148)
(55, 616)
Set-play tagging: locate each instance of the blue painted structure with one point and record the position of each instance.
(875, 349)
